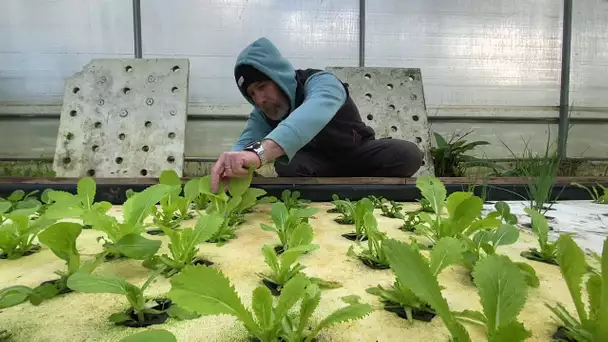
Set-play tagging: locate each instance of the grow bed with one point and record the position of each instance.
(84, 317)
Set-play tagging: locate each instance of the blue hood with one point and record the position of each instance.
(263, 55)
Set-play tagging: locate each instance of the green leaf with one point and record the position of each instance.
(305, 212)
(138, 207)
(571, 261)
(506, 234)
(290, 295)
(268, 228)
(350, 313)
(88, 283)
(472, 316)
(354, 299)
(262, 307)
(455, 199)
(207, 291)
(465, 213)
(16, 196)
(119, 317)
(86, 190)
(411, 268)
(238, 185)
(447, 251)
(271, 258)
(301, 235)
(325, 284)
(433, 190)
(170, 177)
(502, 289)
(529, 274)
(191, 190)
(502, 208)
(137, 247)
(602, 321)
(540, 226)
(5, 206)
(151, 335)
(61, 239)
(310, 302)
(14, 295)
(174, 311)
(513, 332)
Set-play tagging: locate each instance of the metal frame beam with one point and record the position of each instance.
(564, 93)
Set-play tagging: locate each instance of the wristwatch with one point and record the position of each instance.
(257, 148)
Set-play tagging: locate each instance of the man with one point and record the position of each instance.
(306, 123)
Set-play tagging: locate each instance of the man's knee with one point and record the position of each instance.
(408, 157)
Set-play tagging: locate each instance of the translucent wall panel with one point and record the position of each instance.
(589, 69)
(44, 41)
(471, 52)
(311, 34)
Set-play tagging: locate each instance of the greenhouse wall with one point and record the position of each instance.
(488, 66)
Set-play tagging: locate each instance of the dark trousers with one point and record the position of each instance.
(373, 158)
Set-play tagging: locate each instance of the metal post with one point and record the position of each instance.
(565, 80)
(137, 28)
(361, 33)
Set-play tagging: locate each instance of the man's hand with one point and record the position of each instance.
(232, 164)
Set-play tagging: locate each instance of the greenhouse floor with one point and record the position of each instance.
(84, 317)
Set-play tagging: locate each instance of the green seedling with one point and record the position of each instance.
(362, 207)
(285, 267)
(183, 245)
(231, 205)
(174, 208)
(391, 209)
(18, 232)
(591, 323)
(503, 212)
(151, 335)
(414, 272)
(291, 225)
(540, 227)
(80, 206)
(463, 208)
(378, 201)
(124, 239)
(60, 238)
(141, 310)
(485, 242)
(292, 200)
(503, 291)
(400, 299)
(449, 156)
(347, 210)
(18, 200)
(208, 292)
(374, 256)
(425, 206)
(410, 221)
(595, 195)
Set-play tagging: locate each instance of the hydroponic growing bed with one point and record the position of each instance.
(210, 271)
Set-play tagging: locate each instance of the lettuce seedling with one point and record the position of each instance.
(347, 210)
(18, 232)
(292, 200)
(142, 312)
(208, 292)
(173, 207)
(592, 323)
(362, 207)
(79, 206)
(391, 209)
(124, 239)
(540, 227)
(283, 268)
(14, 295)
(290, 225)
(503, 292)
(183, 245)
(231, 206)
(595, 195)
(378, 201)
(18, 199)
(415, 273)
(401, 300)
(503, 212)
(374, 256)
(410, 221)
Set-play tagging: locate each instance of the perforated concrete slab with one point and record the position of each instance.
(391, 101)
(123, 118)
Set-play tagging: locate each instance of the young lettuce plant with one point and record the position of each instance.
(414, 272)
(503, 212)
(374, 256)
(142, 312)
(377, 200)
(362, 207)
(18, 232)
(173, 207)
(18, 199)
(485, 242)
(592, 323)
(548, 250)
(79, 206)
(410, 221)
(290, 225)
(292, 200)
(347, 210)
(124, 239)
(183, 245)
(207, 291)
(401, 300)
(283, 268)
(503, 291)
(595, 195)
(392, 209)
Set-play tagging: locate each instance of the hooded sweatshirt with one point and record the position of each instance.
(315, 98)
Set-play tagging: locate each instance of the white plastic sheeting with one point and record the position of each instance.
(311, 34)
(44, 41)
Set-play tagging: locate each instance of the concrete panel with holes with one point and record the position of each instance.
(391, 101)
(123, 118)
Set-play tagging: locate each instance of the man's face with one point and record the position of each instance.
(269, 97)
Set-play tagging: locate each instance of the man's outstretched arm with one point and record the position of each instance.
(324, 95)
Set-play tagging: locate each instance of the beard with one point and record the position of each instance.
(276, 112)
